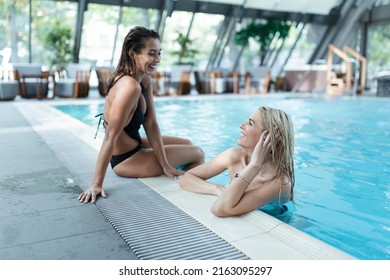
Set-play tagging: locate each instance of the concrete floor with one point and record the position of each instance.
(40, 217)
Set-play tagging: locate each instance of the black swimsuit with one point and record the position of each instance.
(132, 129)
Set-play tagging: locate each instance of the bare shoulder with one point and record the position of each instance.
(146, 80)
(235, 153)
(124, 88)
(128, 84)
(282, 188)
(223, 159)
(230, 156)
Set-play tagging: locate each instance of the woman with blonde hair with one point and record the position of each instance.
(261, 168)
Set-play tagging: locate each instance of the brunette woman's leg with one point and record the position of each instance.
(168, 140)
(145, 164)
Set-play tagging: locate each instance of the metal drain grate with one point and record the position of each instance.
(154, 228)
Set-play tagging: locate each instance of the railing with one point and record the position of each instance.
(335, 84)
(362, 68)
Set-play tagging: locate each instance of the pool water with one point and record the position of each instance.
(342, 159)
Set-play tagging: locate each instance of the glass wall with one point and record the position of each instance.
(28, 45)
(383, 3)
(378, 49)
(378, 43)
(25, 24)
(201, 38)
(98, 34)
(46, 14)
(14, 23)
(132, 17)
(307, 43)
(250, 54)
(203, 35)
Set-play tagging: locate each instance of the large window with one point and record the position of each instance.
(45, 14)
(98, 35)
(201, 38)
(203, 34)
(24, 26)
(296, 49)
(130, 18)
(250, 55)
(105, 28)
(14, 25)
(378, 49)
(306, 44)
(25, 44)
(175, 26)
(383, 3)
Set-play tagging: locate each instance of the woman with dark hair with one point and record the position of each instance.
(261, 168)
(128, 105)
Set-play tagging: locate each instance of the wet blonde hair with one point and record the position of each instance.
(281, 130)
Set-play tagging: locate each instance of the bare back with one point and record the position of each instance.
(120, 106)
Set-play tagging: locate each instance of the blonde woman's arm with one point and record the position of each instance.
(236, 200)
(195, 179)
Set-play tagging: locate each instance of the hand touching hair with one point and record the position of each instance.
(281, 133)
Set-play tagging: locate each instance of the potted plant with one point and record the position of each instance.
(58, 43)
(185, 52)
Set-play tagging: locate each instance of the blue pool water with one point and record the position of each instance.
(342, 159)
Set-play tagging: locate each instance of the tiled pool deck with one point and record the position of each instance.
(47, 158)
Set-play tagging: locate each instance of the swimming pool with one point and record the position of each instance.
(342, 159)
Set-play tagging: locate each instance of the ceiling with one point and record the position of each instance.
(314, 11)
(322, 7)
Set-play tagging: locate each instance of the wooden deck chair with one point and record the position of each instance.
(160, 83)
(8, 86)
(205, 81)
(231, 80)
(257, 80)
(179, 79)
(103, 74)
(32, 81)
(76, 83)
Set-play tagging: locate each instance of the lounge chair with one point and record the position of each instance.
(227, 81)
(103, 74)
(205, 81)
(257, 80)
(160, 84)
(217, 81)
(76, 83)
(179, 79)
(8, 86)
(32, 81)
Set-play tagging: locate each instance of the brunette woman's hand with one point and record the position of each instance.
(172, 172)
(92, 193)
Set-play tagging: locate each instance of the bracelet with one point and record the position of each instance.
(241, 177)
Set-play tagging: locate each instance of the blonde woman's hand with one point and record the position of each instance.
(262, 149)
(92, 193)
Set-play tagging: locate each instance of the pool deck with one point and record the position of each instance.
(47, 158)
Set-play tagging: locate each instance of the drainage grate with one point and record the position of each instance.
(154, 228)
